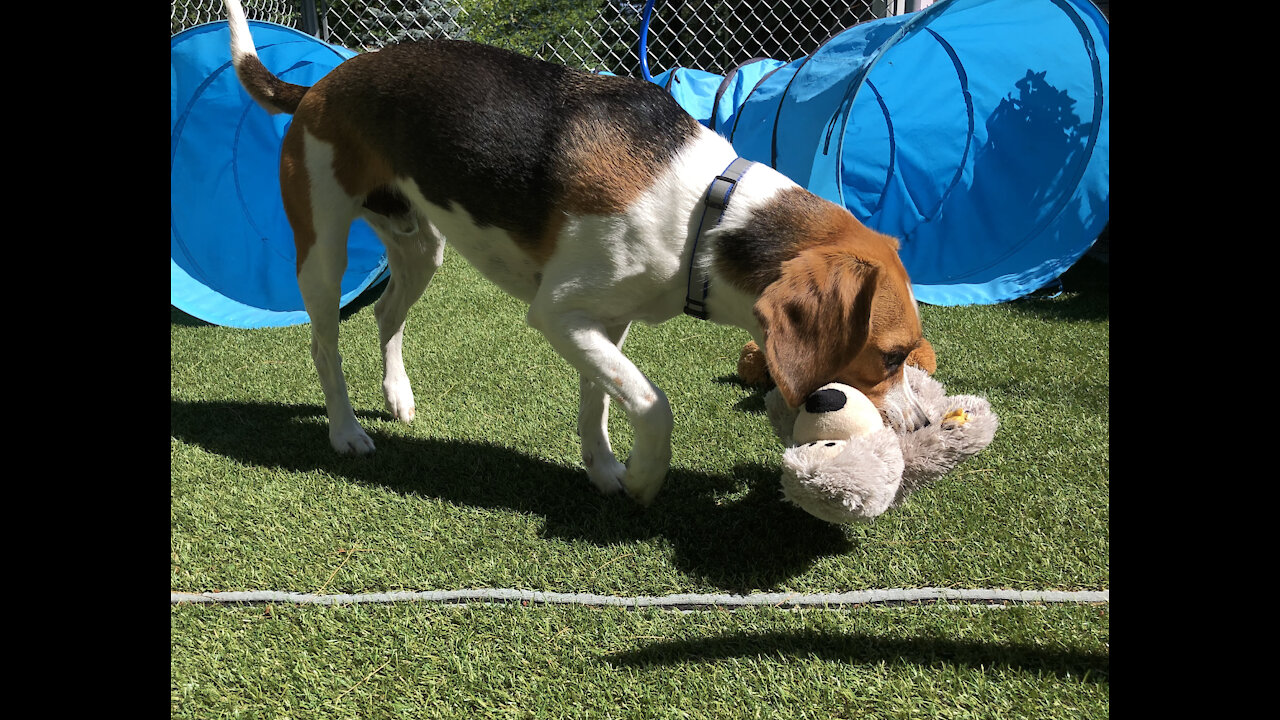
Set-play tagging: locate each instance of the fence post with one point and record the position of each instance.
(310, 20)
(901, 7)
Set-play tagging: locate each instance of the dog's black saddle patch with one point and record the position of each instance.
(387, 201)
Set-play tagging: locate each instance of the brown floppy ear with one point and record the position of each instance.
(816, 317)
(923, 357)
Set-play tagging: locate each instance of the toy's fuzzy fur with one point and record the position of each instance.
(858, 479)
(844, 480)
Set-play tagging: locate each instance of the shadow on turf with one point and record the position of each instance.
(866, 649)
(1085, 295)
(752, 541)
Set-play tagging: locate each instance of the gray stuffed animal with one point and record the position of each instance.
(844, 464)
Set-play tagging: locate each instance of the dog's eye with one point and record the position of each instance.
(894, 360)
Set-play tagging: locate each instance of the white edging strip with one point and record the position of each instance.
(682, 601)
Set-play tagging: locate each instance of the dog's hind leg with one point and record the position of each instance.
(415, 250)
(319, 279)
(320, 214)
(604, 470)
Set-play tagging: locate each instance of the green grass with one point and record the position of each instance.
(526, 25)
(557, 662)
(484, 490)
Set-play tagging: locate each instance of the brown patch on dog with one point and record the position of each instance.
(358, 170)
(295, 191)
(751, 257)
(924, 357)
(357, 167)
(815, 317)
(540, 248)
(895, 333)
(834, 301)
(600, 175)
(597, 174)
(272, 93)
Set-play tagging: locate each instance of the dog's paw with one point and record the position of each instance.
(352, 441)
(644, 479)
(399, 399)
(605, 472)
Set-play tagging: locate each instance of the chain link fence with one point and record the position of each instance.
(709, 35)
(715, 35)
(189, 13)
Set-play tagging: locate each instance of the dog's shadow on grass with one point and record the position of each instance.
(869, 649)
(754, 540)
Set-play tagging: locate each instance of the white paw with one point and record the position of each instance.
(351, 441)
(644, 480)
(399, 399)
(605, 472)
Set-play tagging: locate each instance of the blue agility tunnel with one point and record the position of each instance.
(976, 131)
(232, 258)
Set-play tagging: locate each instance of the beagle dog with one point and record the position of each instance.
(595, 199)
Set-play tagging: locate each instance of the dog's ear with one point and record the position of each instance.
(923, 357)
(815, 318)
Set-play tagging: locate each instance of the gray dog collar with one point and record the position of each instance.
(717, 199)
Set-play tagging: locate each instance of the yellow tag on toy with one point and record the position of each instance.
(956, 417)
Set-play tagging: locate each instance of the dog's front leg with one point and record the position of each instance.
(604, 470)
(587, 345)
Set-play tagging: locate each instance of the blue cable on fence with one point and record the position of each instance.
(644, 40)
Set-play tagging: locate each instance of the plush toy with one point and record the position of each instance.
(844, 464)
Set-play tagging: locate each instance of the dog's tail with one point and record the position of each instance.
(269, 91)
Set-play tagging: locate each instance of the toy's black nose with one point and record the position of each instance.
(829, 400)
